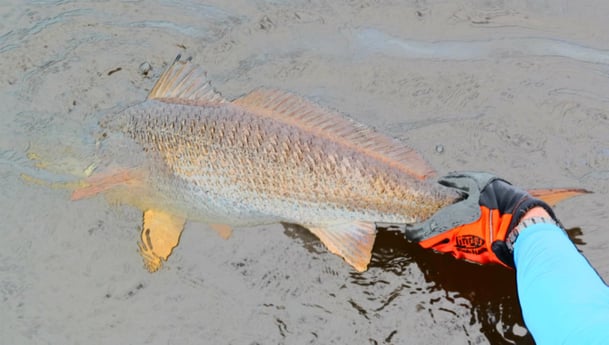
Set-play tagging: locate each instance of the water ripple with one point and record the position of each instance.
(15, 38)
(374, 41)
(167, 25)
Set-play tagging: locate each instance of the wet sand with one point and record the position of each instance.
(520, 90)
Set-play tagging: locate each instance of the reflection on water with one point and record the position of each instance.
(374, 41)
(442, 288)
(488, 291)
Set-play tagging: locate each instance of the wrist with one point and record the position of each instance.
(533, 216)
(537, 211)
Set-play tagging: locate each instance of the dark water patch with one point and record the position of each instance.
(489, 292)
(310, 242)
(404, 275)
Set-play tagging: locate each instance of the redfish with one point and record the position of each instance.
(187, 153)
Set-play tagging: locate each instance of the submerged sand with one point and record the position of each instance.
(518, 89)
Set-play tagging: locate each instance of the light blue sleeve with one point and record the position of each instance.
(563, 299)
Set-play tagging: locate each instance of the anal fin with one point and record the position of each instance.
(160, 235)
(351, 241)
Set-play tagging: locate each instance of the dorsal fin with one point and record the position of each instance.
(185, 82)
(297, 111)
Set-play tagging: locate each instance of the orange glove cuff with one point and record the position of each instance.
(473, 241)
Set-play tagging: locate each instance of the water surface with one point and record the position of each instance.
(520, 90)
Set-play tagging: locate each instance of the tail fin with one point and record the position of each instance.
(555, 195)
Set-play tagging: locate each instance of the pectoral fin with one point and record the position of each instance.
(160, 234)
(352, 241)
(99, 183)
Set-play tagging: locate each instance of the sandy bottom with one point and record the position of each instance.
(520, 90)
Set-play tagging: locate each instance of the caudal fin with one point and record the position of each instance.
(555, 195)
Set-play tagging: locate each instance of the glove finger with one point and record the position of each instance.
(415, 232)
(462, 184)
(447, 218)
(462, 212)
(467, 179)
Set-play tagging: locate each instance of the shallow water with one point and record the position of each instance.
(517, 89)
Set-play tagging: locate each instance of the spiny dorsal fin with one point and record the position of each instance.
(352, 241)
(185, 82)
(297, 111)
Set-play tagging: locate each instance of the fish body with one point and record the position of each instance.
(224, 164)
(269, 156)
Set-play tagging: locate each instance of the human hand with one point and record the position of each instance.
(476, 228)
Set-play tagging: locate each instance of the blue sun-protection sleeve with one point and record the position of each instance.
(563, 299)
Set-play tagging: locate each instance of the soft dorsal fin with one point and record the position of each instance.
(185, 82)
(297, 111)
